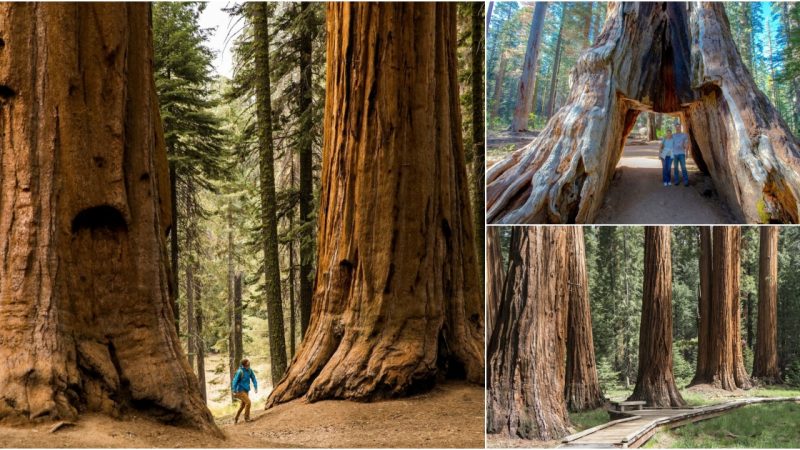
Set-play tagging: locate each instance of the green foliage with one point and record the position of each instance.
(771, 425)
(684, 361)
(587, 419)
(792, 374)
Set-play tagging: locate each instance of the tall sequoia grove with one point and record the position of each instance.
(86, 321)
(765, 358)
(396, 299)
(525, 395)
(582, 388)
(655, 382)
(665, 57)
(723, 364)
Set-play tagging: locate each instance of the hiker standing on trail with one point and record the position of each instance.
(666, 157)
(680, 145)
(241, 389)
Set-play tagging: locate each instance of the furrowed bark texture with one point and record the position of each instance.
(655, 383)
(495, 277)
(529, 345)
(582, 389)
(704, 305)
(765, 361)
(725, 365)
(86, 321)
(663, 58)
(397, 299)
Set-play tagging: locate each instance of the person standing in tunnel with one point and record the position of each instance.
(666, 157)
(680, 146)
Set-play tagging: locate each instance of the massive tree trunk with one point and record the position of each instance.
(86, 320)
(765, 362)
(582, 389)
(201, 351)
(495, 277)
(704, 305)
(655, 383)
(529, 345)
(478, 124)
(654, 57)
(269, 219)
(306, 160)
(397, 300)
(725, 365)
(529, 69)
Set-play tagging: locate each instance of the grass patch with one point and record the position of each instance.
(757, 426)
(775, 391)
(588, 419)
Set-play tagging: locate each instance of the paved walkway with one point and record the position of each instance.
(639, 427)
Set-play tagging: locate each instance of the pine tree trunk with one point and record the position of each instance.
(529, 69)
(269, 221)
(661, 60)
(306, 161)
(190, 315)
(86, 320)
(396, 301)
(551, 102)
(765, 361)
(655, 383)
(173, 234)
(489, 9)
(495, 276)
(582, 389)
(651, 127)
(529, 345)
(232, 364)
(724, 367)
(587, 23)
(237, 321)
(201, 353)
(478, 123)
(497, 97)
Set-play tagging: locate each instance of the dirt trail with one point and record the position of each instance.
(637, 195)
(450, 415)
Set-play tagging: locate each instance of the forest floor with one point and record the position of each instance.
(450, 415)
(638, 196)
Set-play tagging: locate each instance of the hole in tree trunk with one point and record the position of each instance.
(98, 218)
(6, 92)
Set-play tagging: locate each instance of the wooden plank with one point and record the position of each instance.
(588, 431)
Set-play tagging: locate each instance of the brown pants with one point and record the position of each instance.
(244, 404)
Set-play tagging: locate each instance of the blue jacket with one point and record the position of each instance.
(241, 381)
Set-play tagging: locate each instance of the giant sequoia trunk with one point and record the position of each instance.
(704, 306)
(665, 58)
(529, 345)
(582, 387)
(655, 383)
(495, 277)
(86, 321)
(765, 362)
(397, 299)
(724, 366)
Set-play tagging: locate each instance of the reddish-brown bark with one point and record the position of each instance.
(582, 389)
(397, 299)
(655, 383)
(528, 348)
(86, 319)
(765, 361)
(495, 277)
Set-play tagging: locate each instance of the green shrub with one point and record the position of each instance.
(792, 375)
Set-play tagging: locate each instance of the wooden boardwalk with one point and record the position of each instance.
(636, 429)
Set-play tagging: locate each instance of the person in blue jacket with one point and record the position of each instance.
(241, 389)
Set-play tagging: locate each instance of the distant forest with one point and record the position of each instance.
(615, 269)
